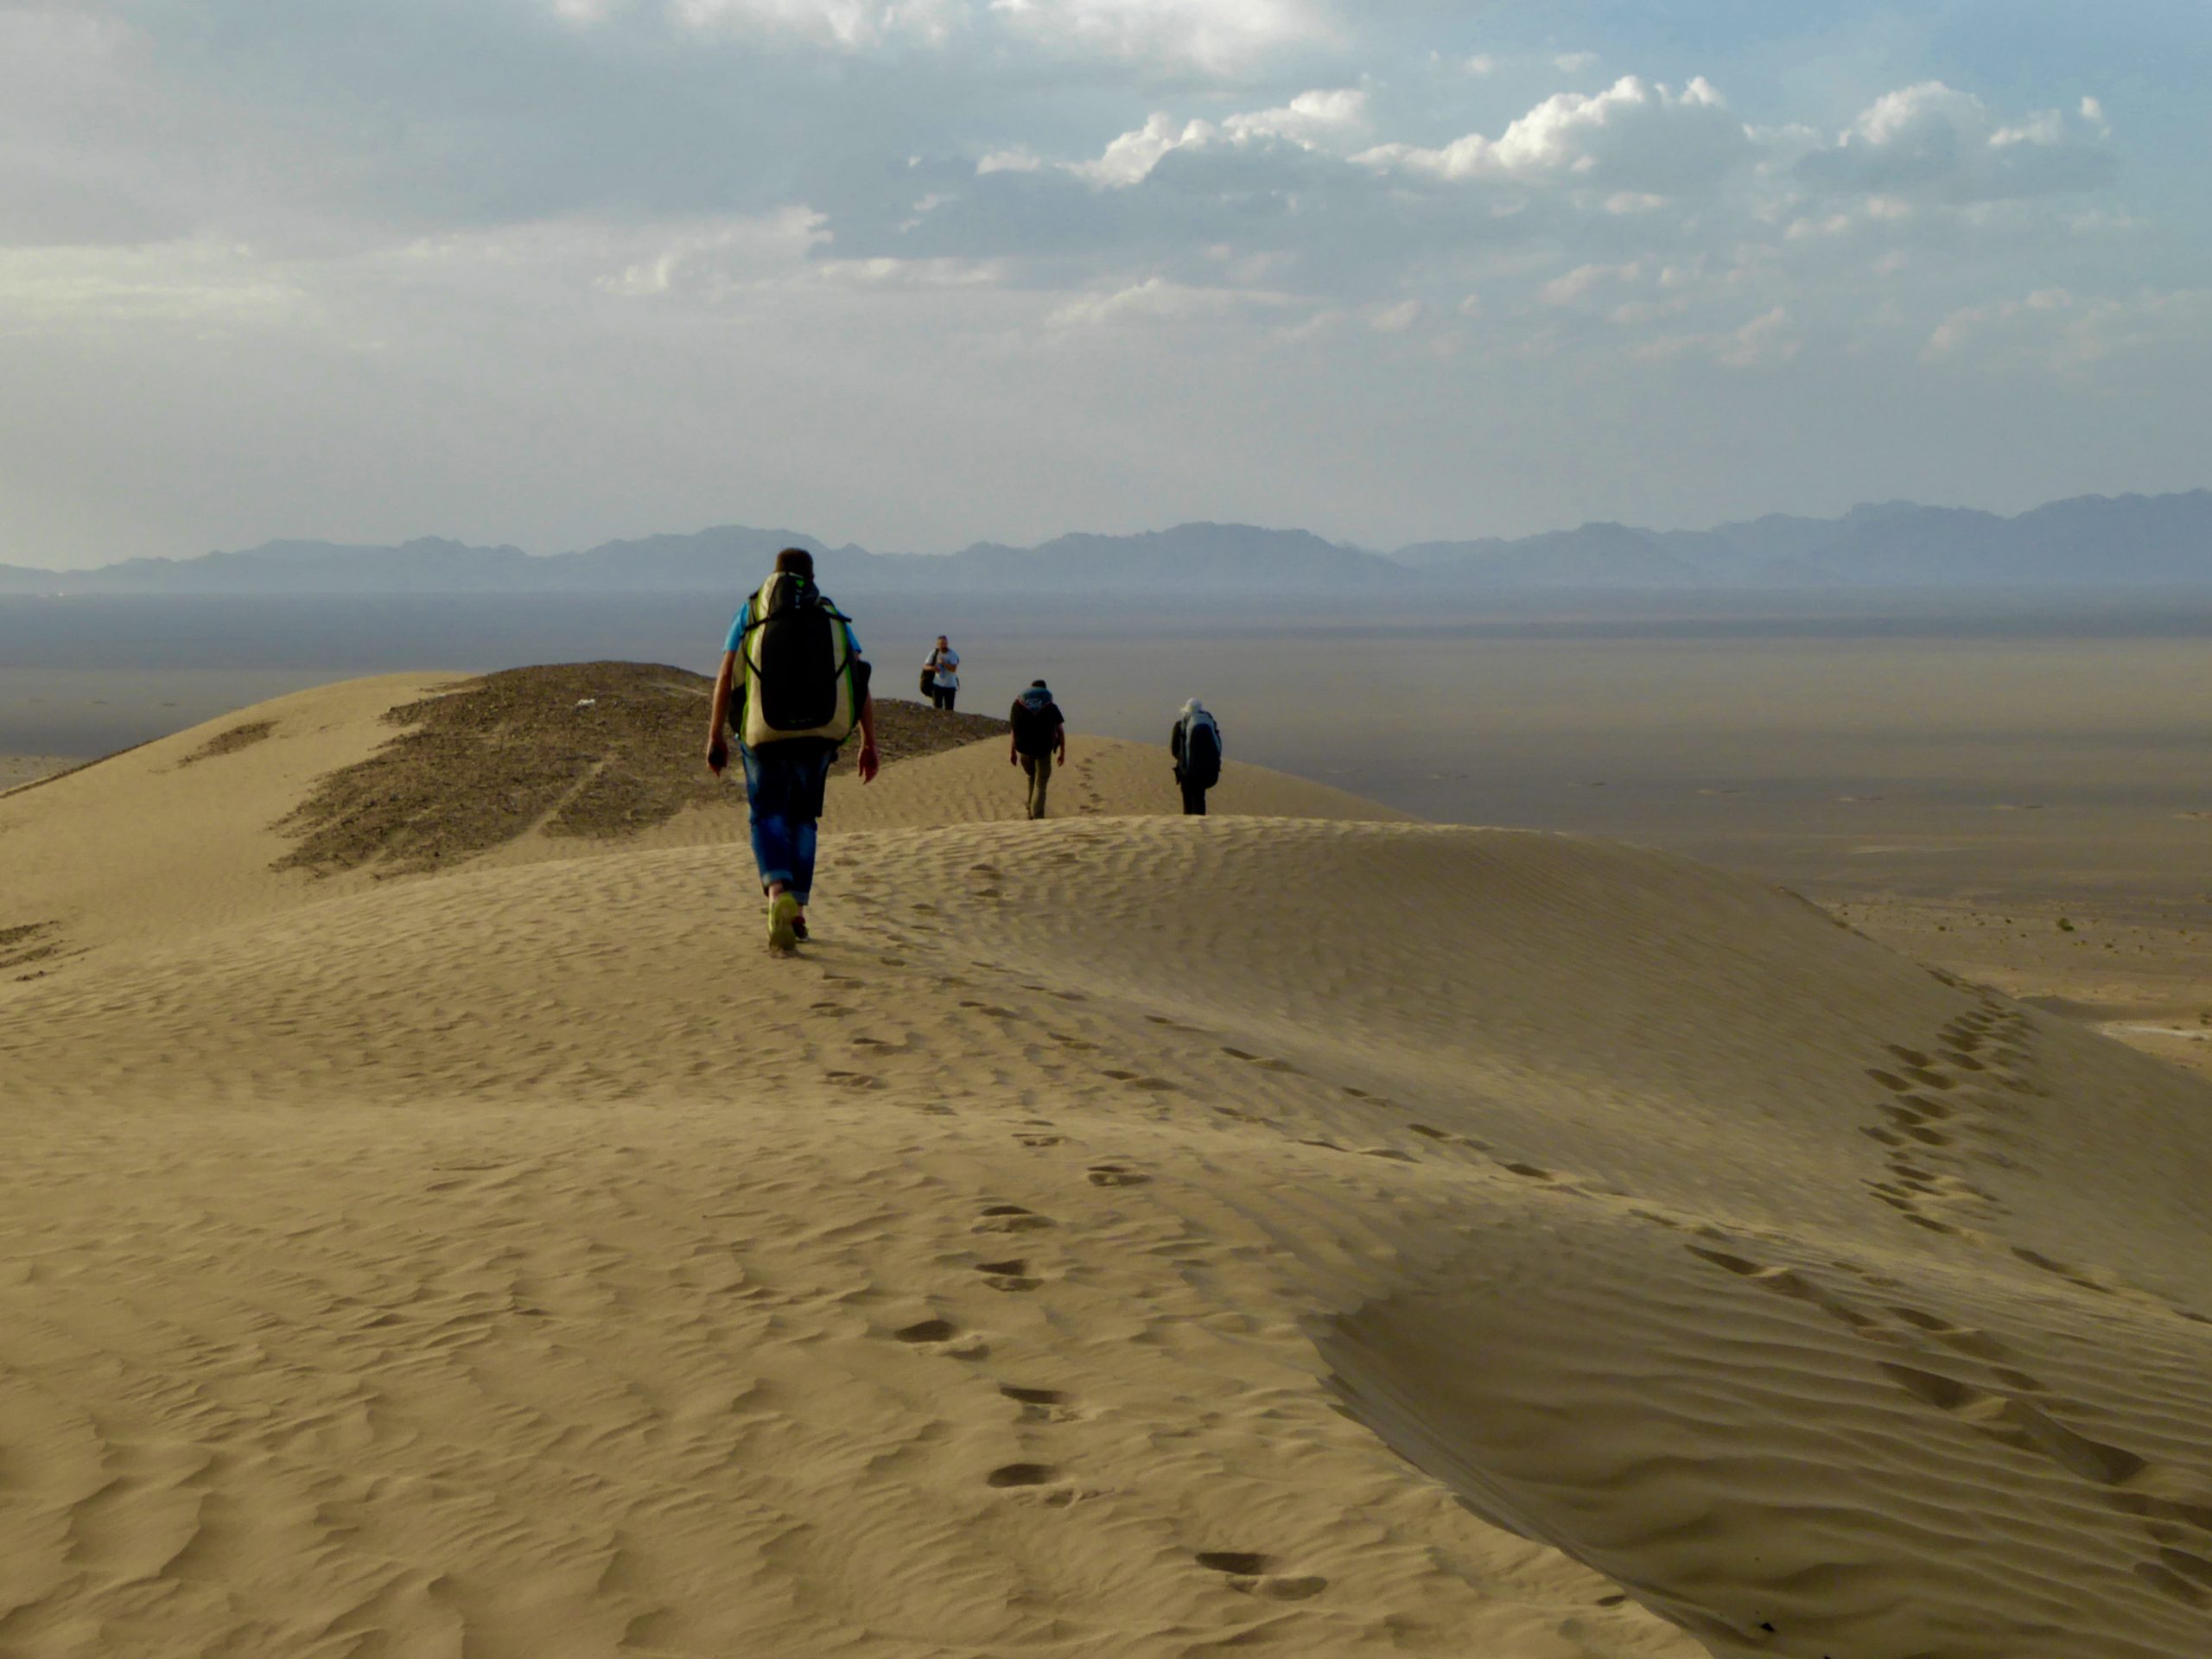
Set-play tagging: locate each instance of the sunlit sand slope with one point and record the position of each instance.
(1119, 1236)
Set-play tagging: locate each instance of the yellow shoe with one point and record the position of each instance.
(783, 918)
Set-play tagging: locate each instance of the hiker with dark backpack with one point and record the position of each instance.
(793, 687)
(1196, 745)
(1039, 734)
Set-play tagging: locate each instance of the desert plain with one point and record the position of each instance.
(435, 1226)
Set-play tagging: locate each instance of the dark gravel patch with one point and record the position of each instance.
(26, 943)
(590, 749)
(230, 742)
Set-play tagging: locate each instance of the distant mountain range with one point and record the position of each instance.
(2134, 540)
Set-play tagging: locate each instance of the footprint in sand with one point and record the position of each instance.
(1022, 1474)
(2020, 1425)
(1137, 1080)
(1040, 1139)
(2002, 1417)
(946, 1337)
(1042, 1405)
(1266, 1064)
(1012, 1218)
(2072, 1275)
(1013, 1274)
(1250, 1571)
(1117, 1175)
(853, 1079)
(1931, 1092)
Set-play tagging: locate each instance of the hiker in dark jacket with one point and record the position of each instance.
(1196, 746)
(1040, 734)
(786, 771)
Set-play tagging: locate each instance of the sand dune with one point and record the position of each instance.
(1120, 1236)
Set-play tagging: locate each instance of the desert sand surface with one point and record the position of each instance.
(1301, 1230)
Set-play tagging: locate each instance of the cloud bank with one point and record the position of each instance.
(563, 267)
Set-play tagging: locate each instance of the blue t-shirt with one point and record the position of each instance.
(744, 620)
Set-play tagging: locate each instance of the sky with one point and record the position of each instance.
(915, 273)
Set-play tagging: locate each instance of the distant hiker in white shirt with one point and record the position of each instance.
(1196, 746)
(942, 674)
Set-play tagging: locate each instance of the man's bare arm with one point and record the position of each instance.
(718, 715)
(868, 766)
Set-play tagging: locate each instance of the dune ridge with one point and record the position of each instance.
(1123, 1234)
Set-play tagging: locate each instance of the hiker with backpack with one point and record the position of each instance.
(941, 674)
(1196, 745)
(1040, 733)
(793, 686)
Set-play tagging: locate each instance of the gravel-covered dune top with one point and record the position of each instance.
(595, 749)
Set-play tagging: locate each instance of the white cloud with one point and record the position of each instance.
(202, 285)
(1934, 140)
(1480, 64)
(1010, 161)
(1221, 35)
(839, 22)
(1583, 280)
(702, 261)
(1764, 340)
(1573, 63)
(1636, 135)
(1395, 319)
(1132, 155)
(1156, 300)
(2054, 328)
(1310, 119)
(908, 274)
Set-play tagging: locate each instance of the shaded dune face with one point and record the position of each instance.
(1116, 1236)
(1826, 1457)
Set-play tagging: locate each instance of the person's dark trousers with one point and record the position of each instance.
(785, 782)
(1194, 798)
(942, 696)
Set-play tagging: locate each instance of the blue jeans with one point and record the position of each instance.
(784, 782)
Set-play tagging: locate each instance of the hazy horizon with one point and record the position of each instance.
(2087, 540)
(1838, 749)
